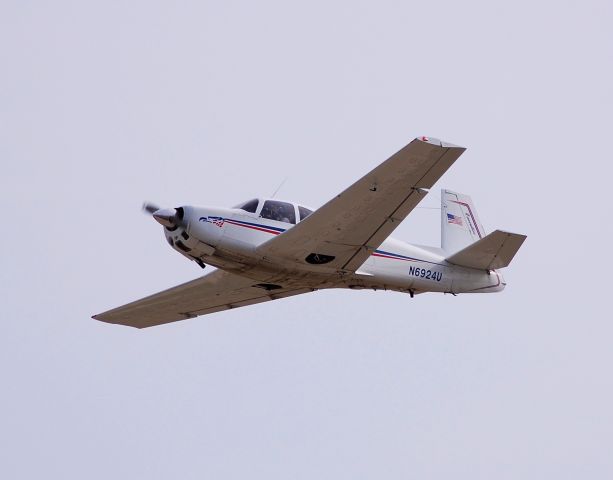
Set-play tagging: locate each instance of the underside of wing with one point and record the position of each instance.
(214, 292)
(345, 231)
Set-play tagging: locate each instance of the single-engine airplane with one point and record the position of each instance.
(266, 249)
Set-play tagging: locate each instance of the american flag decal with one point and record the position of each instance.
(454, 219)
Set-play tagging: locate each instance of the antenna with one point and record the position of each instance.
(279, 187)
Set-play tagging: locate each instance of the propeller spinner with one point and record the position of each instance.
(168, 217)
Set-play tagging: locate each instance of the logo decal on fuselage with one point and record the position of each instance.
(218, 221)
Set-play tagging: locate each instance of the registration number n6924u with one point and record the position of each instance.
(424, 273)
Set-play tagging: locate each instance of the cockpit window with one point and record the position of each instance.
(250, 206)
(280, 211)
(304, 212)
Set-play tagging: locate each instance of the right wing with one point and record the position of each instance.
(211, 293)
(342, 234)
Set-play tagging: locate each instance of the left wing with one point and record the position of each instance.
(343, 233)
(211, 293)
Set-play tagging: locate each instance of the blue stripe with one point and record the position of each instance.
(397, 255)
(276, 229)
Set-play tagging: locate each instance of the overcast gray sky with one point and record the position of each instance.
(106, 104)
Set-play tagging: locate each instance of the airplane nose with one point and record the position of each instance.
(166, 217)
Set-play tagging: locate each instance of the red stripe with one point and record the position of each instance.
(254, 228)
(393, 258)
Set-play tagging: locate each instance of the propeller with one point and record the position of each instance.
(150, 208)
(169, 217)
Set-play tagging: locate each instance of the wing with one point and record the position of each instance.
(214, 292)
(350, 227)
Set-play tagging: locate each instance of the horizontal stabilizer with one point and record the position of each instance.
(495, 250)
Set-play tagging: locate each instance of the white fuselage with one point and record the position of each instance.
(228, 238)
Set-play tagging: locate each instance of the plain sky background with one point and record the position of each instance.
(106, 104)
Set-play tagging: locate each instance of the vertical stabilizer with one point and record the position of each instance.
(460, 225)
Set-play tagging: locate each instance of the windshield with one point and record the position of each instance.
(279, 211)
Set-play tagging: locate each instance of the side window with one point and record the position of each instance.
(279, 211)
(251, 206)
(304, 212)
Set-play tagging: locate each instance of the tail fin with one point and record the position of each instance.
(460, 225)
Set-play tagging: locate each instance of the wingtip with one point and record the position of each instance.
(514, 234)
(438, 142)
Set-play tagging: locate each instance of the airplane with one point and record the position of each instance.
(266, 249)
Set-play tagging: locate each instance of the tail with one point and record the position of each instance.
(464, 240)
